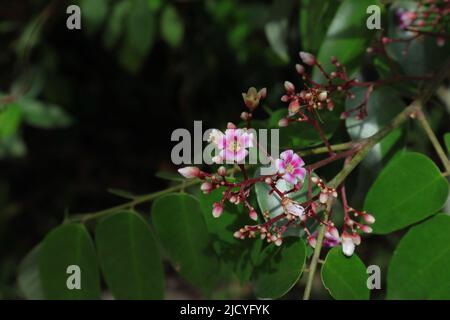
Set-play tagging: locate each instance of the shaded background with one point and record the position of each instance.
(105, 99)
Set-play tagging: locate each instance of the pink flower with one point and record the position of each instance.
(330, 240)
(233, 145)
(290, 166)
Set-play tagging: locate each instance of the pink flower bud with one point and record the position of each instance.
(231, 125)
(294, 107)
(285, 98)
(206, 187)
(323, 198)
(245, 116)
(189, 172)
(365, 229)
(368, 218)
(312, 241)
(300, 69)
(330, 105)
(283, 122)
(217, 209)
(356, 239)
(440, 41)
(222, 171)
(268, 181)
(289, 87)
(334, 232)
(237, 234)
(262, 93)
(307, 58)
(344, 115)
(253, 215)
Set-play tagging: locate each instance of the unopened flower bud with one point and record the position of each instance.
(253, 215)
(237, 234)
(323, 96)
(262, 93)
(356, 239)
(348, 246)
(289, 87)
(323, 198)
(294, 107)
(366, 229)
(231, 125)
(245, 116)
(334, 232)
(206, 187)
(217, 209)
(278, 242)
(222, 171)
(312, 241)
(283, 122)
(268, 181)
(307, 58)
(300, 69)
(189, 172)
(368, 218)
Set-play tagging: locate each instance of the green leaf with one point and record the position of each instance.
(139, 36)
(240, 256)
(172, 27)
(280, 268)
(383, 105)
(168, 175)
(68, 244)
(44, 116)
(347, 37)
(419, 268)
(180, 226)
(28, 278)
(409, 189)
(93, 13)
(447, 141)
(10, 118)
(311, 32)
(129, 257)
(115, 23)
(345, 278)
(303, 135)
(276, 28)
(416, 57)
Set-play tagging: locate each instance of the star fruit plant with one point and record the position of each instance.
(274, 230)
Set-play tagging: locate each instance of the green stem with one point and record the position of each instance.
(434, 140)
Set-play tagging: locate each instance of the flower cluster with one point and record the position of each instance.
(289, 168)
(430, 17)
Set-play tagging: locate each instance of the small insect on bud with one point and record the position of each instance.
(307, 58)
(323, 96)
(289, 87)
(231, 125)
(284, 122)
(300, 69)
(245, 116)
(189, 172)
(253, 215)
(217, 209)
(206, 187)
